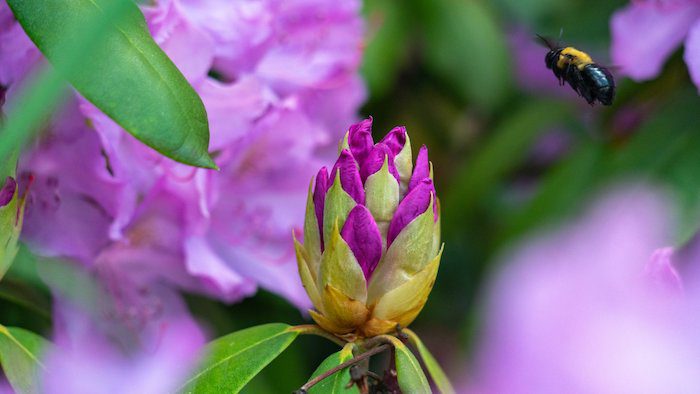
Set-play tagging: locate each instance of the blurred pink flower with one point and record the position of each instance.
(111, 336)
(279, 80)
(587, 309)
(646, 32)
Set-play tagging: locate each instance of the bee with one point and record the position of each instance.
(589, 80)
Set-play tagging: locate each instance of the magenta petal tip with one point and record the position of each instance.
(360, 139)
(362, 236)
(349, 176)
(7, 191)
(414, 204)
(422, 168)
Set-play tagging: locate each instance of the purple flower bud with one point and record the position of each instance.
(413, 205)
(375, 161)
(320, 188)
(360, 139)
(362, 236)
(421, 170)
(349, 176)
(7, 191)
(395, 140)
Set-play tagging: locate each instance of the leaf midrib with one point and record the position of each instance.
(7, 333)
(225, 359)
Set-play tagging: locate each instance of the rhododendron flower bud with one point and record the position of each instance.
(371, 236)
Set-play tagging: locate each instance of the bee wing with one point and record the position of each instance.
(546, 41)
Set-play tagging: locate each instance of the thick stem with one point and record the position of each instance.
(312, 329)
(342, 366)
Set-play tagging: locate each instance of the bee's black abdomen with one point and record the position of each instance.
(599, 80)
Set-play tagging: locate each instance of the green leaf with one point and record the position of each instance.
(20, 353)
(501, 153)
(387, 44)
(337, 382)
(126, 75)
(408, 371)
(467, 50)
(436, 373)
(233, 360)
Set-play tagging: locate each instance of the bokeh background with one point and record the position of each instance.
(513, 152)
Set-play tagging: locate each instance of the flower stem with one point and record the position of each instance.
(312, 329)
(304, 389)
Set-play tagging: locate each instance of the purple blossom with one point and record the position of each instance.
(581, 310)
(287, 83)
(645, 33)
(368, 239)
(112, 336)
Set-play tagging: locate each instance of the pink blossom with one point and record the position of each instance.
(286, 85)
(646, 32)
(117, 332)
(580, 310)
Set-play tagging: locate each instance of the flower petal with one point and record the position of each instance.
(360, 139)
(7, 191)
(320, 190)
(375, 159)
(362, 236)
(643, 36)
(692, 53)
(415, 203)
(421, 170)
(349, 176)
(395, 140)
(661, 273)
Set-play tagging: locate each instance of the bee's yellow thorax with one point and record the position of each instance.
(573, 56)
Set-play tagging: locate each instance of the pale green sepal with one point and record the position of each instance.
(410, 252)
(431, 171)
(382, 192)
(340, 269)
(308, 279)
(336, 208)
(436, 234)
(404, 165)
(403, 303)
(312, 236)
(344, 144)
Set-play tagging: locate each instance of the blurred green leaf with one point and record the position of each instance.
(125, 74)
(20, 354)
(503, 151)
(11, 215)
(466, 48)
(337, 382)
(233, 360)
(436, 373)
(387, 45)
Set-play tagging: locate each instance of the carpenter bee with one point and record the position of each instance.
(590, 80)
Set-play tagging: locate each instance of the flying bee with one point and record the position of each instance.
(590, 80)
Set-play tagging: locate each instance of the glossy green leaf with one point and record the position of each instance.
(467, 50)
(436, 373)
(337, 382)
(20, 356)
(408, 370)
(126, 74)
(233, 360)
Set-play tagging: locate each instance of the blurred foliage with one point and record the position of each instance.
(446, 70)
